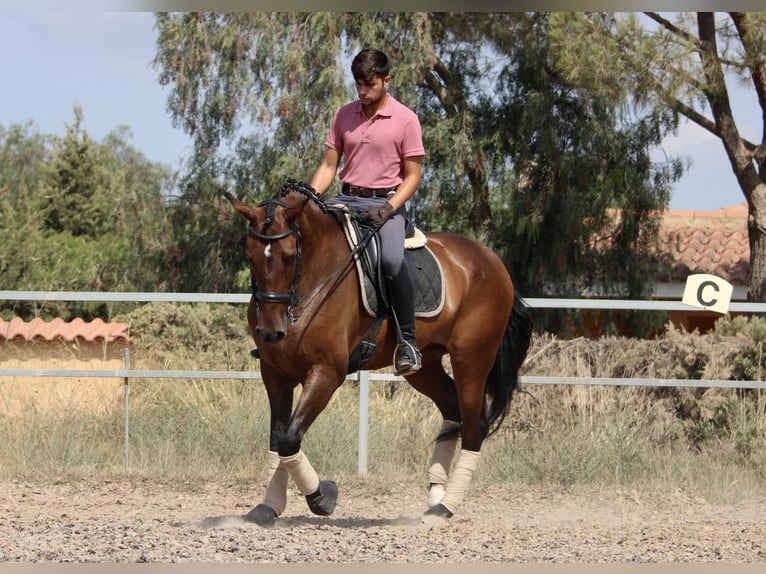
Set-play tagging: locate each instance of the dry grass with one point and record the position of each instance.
(706, 440)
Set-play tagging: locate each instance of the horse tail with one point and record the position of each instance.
(504, 376)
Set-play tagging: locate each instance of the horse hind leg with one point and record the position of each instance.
(457, 486)
(471, 368)
(441, 461)
(475, 380)
(473, 432)
(434, 382)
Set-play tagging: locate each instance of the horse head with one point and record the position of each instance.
(273, 250)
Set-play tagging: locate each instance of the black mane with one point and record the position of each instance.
(304, 189)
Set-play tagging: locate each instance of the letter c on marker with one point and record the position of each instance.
(711, 302)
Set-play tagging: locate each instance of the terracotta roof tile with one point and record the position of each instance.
(714, 242)
(58, 328)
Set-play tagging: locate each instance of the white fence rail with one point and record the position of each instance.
(538, 303)
(363, 377)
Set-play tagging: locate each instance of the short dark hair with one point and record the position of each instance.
(369, 64)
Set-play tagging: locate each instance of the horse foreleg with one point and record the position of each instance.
(275, 499)
(280, 394)
(318, 388)
(321, 495)
(441, 461)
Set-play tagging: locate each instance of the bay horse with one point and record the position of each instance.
(306, 318)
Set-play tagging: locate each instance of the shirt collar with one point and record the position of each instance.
(386, 111)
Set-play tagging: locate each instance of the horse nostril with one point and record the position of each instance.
(271, 336)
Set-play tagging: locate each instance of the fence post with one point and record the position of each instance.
(126, 396)
(364, 403)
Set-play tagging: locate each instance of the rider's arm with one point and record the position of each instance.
(325, 173)
(410, 183)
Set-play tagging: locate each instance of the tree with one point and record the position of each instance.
(76, 214)
(76, 201)
(516, 156)
(684, 65)
(584, 196)
(23, 157)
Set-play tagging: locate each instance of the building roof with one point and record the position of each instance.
(60, 329)
(714, 242)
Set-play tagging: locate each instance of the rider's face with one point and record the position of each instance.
(372, 92)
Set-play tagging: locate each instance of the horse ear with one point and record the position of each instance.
(246, 211)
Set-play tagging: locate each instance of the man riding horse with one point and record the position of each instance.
(381, 143)
(304, 289)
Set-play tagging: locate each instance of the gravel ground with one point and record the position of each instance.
(125, 520)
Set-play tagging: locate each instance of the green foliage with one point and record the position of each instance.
(203, 246)
(585, 212)
(23, 157)
(214, 337)
(22, 153)
(78, 194)
(76, 214)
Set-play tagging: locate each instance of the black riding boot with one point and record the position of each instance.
(401, 288)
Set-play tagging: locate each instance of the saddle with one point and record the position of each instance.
(428, 274)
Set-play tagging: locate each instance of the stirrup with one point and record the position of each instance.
(407, 359)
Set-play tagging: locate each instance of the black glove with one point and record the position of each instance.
(377, 215)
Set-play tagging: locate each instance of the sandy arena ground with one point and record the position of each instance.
(139, 521)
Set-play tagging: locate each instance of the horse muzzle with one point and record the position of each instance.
(271, 336)
(271, 317)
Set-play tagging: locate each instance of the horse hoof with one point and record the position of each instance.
(262, 515)
(323, 501)
(436, 515)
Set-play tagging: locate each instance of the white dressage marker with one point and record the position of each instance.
(708, 292)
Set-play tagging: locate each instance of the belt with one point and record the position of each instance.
(358, 191)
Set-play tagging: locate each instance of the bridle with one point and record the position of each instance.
(289, 297)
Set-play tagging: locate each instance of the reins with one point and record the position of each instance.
(341, 267)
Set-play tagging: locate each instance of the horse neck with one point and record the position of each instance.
(323, 241)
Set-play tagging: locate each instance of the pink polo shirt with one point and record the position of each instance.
(373, 150)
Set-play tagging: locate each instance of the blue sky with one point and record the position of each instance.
(102, 61)
(99, 60)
